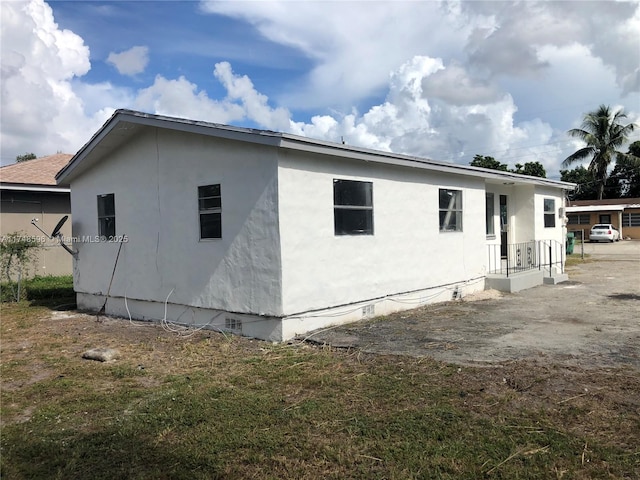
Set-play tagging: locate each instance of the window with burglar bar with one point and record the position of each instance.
(579, 219)
(631, 219)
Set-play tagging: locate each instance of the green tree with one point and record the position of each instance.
(626, 174)
(603, 133)
(17, 252)
(488, 162)
(586, 184)
(25, 157)
(533, 169)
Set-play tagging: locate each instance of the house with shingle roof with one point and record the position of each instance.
(29, 190)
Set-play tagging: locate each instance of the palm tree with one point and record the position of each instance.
(604, 134)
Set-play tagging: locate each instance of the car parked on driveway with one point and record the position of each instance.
(604, 232)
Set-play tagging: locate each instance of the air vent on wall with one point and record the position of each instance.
(368, 310)
(233, 324)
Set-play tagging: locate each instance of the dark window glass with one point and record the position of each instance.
(450, 210)
(549, 212)
(489, 210)
(353, 207)
(106, 215)
(210, 225)
(210, 208)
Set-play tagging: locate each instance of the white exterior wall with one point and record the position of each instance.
(155, 180)
(557, 233)
(407, 253)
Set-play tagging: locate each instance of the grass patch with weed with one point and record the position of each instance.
(210, 406)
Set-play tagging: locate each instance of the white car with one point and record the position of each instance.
(604, 232)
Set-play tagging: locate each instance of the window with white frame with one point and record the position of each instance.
(450, 206)
(210, 209)
(489, 209)
(106, 215)
(631, 219)
(352, 207)
(579, 219)
(549, 212)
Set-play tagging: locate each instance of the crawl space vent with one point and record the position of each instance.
(457, 294)
(233, 324)
(368, 310)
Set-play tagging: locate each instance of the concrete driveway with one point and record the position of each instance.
(591, 320)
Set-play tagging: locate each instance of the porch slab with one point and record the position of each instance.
(515, 282)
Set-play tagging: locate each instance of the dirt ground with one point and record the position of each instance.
(593, 320)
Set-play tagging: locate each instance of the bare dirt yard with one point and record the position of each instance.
(593, 320)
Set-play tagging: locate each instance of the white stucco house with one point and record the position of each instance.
(273, 235)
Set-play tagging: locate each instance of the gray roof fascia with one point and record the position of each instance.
(265, 137)
(33, 188)
(191, 126)
(293, 142)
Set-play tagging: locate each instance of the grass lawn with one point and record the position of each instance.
(208, 406)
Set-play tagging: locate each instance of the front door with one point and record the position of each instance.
(504, 226)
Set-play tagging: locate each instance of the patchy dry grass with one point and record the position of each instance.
(575, 259)
(209, 406)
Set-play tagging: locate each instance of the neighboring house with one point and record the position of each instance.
(622, 213)
(273, 235)
(28, 190)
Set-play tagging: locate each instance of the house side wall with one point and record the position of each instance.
(19, 208)
(155, 179)
(406, 253)
(559, 231)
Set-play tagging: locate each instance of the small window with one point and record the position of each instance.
(210, 208)
(549, 212)
(107, 215)
(605, 218)
(450, 210)
(631, 219)
(579, 219)
(352, 207)
(489, 214)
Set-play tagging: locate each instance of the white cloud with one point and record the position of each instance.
(454, 79)
(40, 111)
(354, 44)
(130, 62)
(183, 98)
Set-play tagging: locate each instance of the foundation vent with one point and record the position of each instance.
(368, 311)
(457, 294)
(233, 324)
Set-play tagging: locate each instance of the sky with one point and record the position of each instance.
(445, 80)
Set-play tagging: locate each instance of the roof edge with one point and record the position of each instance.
(295, 142)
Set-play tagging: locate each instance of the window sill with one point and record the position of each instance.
(491, 237)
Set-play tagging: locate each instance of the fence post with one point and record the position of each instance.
(550, 260)
(539, 255)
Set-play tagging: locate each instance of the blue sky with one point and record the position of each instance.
(438, 79)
